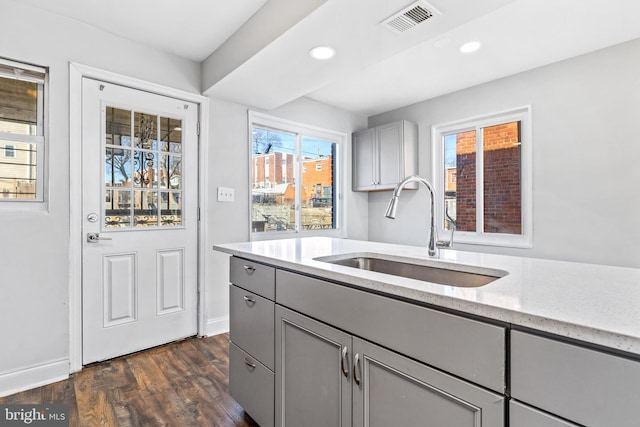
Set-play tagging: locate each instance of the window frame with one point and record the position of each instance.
(301, 130)
(479, 237)
(29, 73)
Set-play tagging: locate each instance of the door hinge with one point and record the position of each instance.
(198, 214)
(198, 129)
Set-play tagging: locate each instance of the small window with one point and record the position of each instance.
(318, 167)
(22, 135)
(10, 151)
(483, 178)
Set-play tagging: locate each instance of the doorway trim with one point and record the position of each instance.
(76, 73)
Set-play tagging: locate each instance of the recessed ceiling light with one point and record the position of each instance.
(470, 47)
(322, 52)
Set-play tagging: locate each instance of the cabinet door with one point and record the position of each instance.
(313, 386)
(391, 155)
(364, 160)
(396, 391)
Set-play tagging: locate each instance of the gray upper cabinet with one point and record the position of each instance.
(384, 155)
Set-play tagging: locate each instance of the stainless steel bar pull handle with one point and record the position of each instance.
(344, 364)
(249, 300)
(249, 269)
(95, 237)
(356, 367)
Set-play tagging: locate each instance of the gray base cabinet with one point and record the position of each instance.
(305, 352)
(251, 350)
(579, 384)
(326, 377)
(392, 390)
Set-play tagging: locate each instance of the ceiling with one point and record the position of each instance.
(375, 69)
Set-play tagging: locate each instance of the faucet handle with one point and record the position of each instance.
(442, 244)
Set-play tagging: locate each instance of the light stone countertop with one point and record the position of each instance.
(593, 303)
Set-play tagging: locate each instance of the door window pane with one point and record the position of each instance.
(170, 134)
(117, 167)
(145, 169)
(171, 208)
(273, 192)
(146, 208)
(117, 209)
(118, 127)
(146, 131)
(502, 188)
(317, 184)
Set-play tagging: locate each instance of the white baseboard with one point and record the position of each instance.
(217, 326)
(34, 376)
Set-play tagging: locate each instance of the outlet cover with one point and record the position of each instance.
(226, 194)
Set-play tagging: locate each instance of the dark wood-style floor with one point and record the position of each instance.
(178, 384)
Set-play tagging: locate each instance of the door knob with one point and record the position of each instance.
(95, 237)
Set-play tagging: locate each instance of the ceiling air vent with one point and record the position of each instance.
(410, 16)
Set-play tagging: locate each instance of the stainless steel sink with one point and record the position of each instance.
(427, 273)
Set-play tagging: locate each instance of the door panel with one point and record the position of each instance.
(170, 281)
(119, 285)
(139, 198)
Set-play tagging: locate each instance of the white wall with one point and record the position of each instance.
(34, 245)
(229, 167)
(586, 176)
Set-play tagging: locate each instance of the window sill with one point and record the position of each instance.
(278, 235)
(504, 240)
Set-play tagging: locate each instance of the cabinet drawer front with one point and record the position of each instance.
(251, 320)
(467, 348)
(252, 387)
(582, 385)
(524, 416)
(253, 276)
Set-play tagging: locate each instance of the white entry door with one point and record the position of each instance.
(139, 180)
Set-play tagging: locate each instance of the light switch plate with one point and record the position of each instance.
(226, 194)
